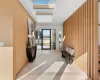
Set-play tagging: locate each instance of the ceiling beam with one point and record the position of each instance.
(49, 6)
(44, 13)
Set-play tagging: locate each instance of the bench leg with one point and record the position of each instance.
(71, 60)
(63, 56)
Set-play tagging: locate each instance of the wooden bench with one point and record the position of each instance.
(68, 54)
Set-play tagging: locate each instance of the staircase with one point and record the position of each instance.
(99, 62)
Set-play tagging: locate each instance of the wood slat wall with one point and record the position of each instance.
(20, 38)
(81, 31)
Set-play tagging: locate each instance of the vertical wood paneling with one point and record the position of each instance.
(86, 40)
(20, 32)
(82, 34)
(91, 37)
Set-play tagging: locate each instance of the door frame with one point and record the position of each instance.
(42, 40)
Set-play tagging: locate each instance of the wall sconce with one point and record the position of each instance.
(64, 38)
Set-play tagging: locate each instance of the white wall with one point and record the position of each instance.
(49, 27)
(28, 5)
(6, 63)
(44, 18)
(99, 21)
(57, 39)
(64, 9)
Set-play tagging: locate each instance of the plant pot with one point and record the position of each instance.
(31, 53)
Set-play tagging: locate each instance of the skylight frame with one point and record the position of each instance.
(43, 2)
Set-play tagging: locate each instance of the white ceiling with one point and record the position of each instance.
(44, 18)
(28, 5)
(63, 10)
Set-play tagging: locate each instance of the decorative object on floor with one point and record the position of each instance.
(31, 48)
(31, 53)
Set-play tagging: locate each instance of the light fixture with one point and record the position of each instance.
(64, 38)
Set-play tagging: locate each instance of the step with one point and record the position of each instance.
(99, 75)
(98, 57)
(99, 62)
(99, 68)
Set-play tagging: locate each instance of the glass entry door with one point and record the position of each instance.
(46, 39)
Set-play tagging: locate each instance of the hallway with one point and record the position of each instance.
(49, 65)
(48, 26)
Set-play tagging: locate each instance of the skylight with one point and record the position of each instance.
(43, 1)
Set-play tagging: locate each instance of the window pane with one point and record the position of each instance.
(43, 2)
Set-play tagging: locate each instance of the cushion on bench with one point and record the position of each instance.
(70, 51)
